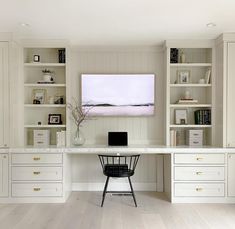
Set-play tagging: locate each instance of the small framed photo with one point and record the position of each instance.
(54, 119)
(181, 117)
(183, 76)
(36, 58)
(39, 96)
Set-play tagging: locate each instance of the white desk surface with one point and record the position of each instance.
(141, 149)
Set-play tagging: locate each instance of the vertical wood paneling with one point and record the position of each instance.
(141, 130)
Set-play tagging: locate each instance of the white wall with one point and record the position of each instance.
(86, 170)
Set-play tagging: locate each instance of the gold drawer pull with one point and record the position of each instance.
(36, 189)
(36, 158)
(36, 173)
(199, 158)
(199, 189)
(199, 173)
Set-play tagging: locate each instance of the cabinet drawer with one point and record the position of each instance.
(199, 189)
(37, 189)
(199, 158)
(36, 173)
(199, 173)
(36, 158)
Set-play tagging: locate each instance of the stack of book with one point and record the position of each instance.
(202, 117)
(187, 101)
(61, 55)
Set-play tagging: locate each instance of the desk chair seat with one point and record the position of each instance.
(118, 167)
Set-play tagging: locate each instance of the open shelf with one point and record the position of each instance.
(44, 126)
(190, 126)
(191, 65)
(44, 64)
(190, 85)
(45, 105)
(189, 105)
(44, 85)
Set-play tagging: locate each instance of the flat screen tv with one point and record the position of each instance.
(118, 94)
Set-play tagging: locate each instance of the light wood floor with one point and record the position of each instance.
(82, 211)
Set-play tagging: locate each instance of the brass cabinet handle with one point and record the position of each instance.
(199, 173)
(199, 189)
(36, 173)
(36, 189)
(36, 158)
(199, 158)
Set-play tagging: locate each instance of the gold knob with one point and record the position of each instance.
(36, 158)
(199, 189)
(199, 158)
(36, 189)
(4, 156)
(36, 173)
(199, 173)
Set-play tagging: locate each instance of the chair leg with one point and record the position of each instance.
(104, 192)
(132, 191)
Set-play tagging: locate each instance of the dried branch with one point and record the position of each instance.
(79, 114)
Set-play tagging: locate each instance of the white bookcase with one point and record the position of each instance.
(36, 115)
(198, 60)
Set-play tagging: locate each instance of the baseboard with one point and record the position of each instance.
(117, 186)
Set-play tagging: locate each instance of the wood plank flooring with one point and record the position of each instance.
(83, 211)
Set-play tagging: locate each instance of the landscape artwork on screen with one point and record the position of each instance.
(118, 94)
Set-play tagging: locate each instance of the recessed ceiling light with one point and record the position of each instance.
(210, 25)
(24, 24)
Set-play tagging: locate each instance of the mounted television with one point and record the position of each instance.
(118, 94)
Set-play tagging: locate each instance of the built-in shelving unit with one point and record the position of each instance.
(197, 62)
(36, 116)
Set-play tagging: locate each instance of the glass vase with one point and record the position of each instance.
(79, 138)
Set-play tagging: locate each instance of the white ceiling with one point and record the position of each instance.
(117, 22)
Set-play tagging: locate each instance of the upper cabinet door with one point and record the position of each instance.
(231, 96)
(4, 95)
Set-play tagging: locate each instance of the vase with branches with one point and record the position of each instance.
(79, 116)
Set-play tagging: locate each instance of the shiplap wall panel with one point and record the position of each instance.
(141, 130)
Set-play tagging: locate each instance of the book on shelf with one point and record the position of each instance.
(173, 134)
(187, 101)
(202, 117)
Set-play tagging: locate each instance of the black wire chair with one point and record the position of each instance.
(118, 167)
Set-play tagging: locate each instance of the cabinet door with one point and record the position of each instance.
(230, 96)
(4, 95)
(3, 175)
(231, 174)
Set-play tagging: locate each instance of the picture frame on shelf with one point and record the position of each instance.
(207, 76)
(36, 58)
(39, 96)
(54, 119)
(181, 117)
(183, 76)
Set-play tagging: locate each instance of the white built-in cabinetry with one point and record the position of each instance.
(197, 60)
(225, 93)
(4, 178)
(36, 116)
(198, 175)
(231, 175)
(4, 95)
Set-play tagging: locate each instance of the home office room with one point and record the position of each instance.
(113, 121)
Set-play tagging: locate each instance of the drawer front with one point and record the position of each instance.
(199, 173)
(43, 158)
(199, 158)
(199, 190)
(37, 190)
(36, 173)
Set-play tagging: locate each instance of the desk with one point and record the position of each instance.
(192, 175)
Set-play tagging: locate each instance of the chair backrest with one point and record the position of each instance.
(130, 161)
